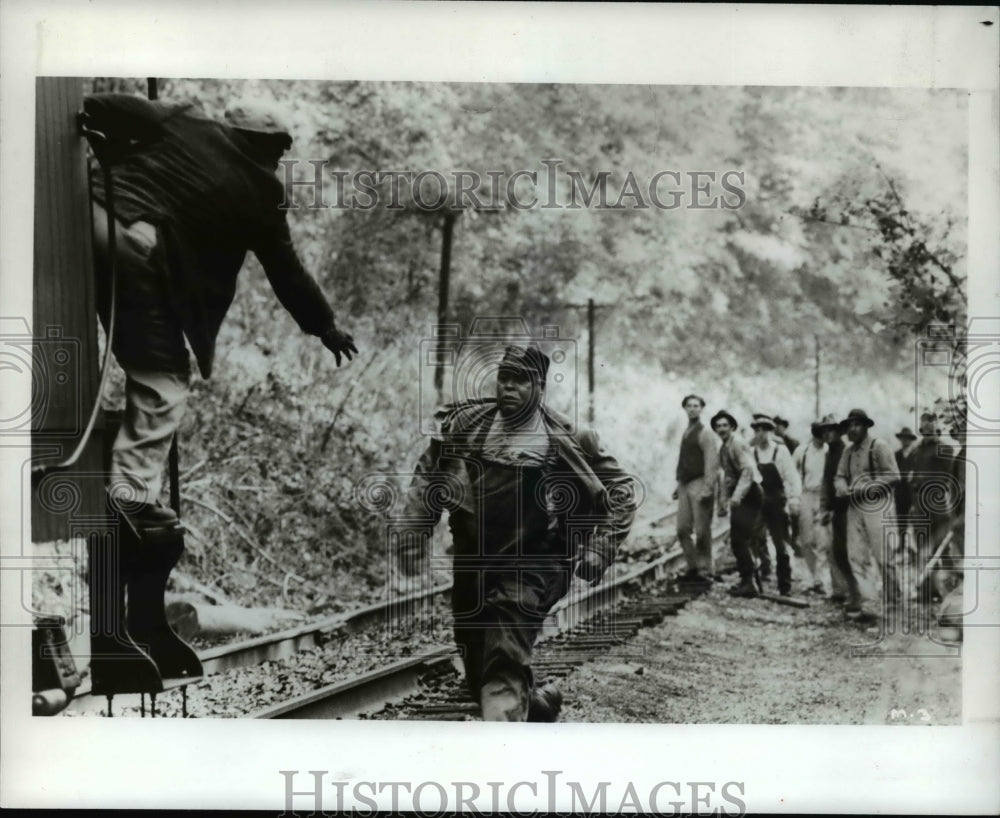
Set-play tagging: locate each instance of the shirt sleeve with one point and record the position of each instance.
(741, 455)
(710, 448)
(885, 462)
(297, 291)
(841, 489)
(622, 497)
(789, 474)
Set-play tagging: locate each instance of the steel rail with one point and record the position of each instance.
(352, 697)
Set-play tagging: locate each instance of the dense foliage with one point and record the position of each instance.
(848, 246)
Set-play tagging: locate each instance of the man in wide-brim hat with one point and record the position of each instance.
(739, 495)
(867, 474)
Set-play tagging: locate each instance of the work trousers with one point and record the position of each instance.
(744, 520)
(871, 549)
(149, 345)
(694, 516)
(813, 537)
(498, 614)
(773, 520)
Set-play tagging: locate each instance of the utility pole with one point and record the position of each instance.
(447, 230)
(816, 340)
(590, 361)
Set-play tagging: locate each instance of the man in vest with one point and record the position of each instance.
(867, 475)
(834, 514)
(697, 465)
(810, 462)
(933, 490)
(904, 489)
(781, 487)
(504, 469)
(739, 496)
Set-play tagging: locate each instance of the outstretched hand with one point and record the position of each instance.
(339, 343)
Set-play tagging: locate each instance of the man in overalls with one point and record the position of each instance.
(534, 501)
(781, 486)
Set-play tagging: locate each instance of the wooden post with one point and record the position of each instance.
(151, 88)
(447, 230)
(590, 360)
(816, 339)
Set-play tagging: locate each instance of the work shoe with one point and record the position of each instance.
(818, 589)
(545, 703)
(744, 589)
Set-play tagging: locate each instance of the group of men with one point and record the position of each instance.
(867, 518)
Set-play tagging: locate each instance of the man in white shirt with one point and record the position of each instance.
(809, 461)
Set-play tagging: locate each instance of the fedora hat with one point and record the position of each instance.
(722, 413)
(760, 420)
(859, 415)
(906, 433)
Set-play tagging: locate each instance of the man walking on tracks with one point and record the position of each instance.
(867, 474)
(697, 467)
(189, 197)
(532, 500)
(739, 496)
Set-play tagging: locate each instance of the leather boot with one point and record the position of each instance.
(545, 703)
(153, 555)
(117, 663)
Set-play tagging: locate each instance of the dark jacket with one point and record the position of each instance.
(829, 501)
(607, 493)
(212, 193)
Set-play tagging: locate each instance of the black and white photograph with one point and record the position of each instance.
(646, 412)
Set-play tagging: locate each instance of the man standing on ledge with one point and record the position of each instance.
(188, 197)
(697, 467)
(191, 197)
(740, 496)
(531, 501)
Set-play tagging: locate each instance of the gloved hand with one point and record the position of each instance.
(793, 508)
(589, 567)
(339, 343)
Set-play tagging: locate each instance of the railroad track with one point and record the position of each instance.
(285, 644)
(586, 623)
